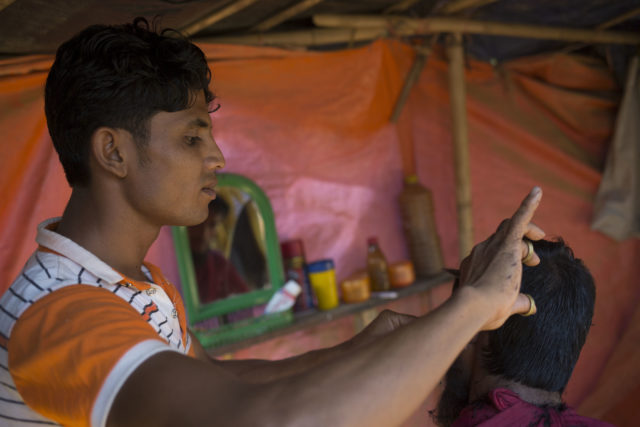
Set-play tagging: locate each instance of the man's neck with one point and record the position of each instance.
(120, 239)
(535, 396)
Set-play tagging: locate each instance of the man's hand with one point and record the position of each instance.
(387, 321)
(494, 268)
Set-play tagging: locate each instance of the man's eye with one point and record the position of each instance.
(192, 140)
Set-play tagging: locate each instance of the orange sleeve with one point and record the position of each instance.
(65, 346)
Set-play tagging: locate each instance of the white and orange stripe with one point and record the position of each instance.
(72, 330)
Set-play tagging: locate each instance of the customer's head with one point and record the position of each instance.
(538, 351)
(541, 351)
(118, 76)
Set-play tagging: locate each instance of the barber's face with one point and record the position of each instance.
(176, 182)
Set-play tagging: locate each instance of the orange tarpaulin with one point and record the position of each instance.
(312, 130)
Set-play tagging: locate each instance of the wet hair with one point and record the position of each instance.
(118, 76)
(541, 350)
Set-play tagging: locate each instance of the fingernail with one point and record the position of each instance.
(536, 192)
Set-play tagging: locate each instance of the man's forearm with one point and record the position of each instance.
(262, 371)
(398, 371)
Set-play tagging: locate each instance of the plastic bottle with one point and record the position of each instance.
(322, 276)
(416, 205)
(284, 298)
(377, 267)
(294, 265)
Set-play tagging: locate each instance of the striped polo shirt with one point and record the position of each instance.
(72, 330)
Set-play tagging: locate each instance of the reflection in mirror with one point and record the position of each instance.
(228, 249)
(230, 266)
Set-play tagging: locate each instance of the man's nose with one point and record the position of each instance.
(215, 158)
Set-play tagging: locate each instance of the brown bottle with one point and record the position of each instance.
(377, 267)
(416, 205)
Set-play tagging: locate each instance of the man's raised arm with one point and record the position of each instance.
(375, 384)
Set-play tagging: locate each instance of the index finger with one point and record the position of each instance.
(520, 220)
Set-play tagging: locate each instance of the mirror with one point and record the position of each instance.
(231, 264)
(228, 249)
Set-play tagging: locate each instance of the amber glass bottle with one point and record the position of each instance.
(377, 267)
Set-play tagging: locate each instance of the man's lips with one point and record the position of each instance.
(209, 191)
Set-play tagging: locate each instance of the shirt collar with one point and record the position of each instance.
(48, 238)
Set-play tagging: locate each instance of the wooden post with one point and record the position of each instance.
(460, 143)
(420, 59)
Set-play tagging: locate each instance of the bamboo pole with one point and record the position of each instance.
(619, 19)
(5, 3)
(610, 23)
(404, 26)
(400, 6)
(456, 6)
(422, 54)
(216, 16)
(315, 37)
(290, 12)
(460, 143)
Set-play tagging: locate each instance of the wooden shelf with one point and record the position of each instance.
(312, 318)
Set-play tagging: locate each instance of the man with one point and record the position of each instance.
(515, 375)
(216, 276)
(92, 335)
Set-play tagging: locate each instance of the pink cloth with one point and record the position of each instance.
(216, 277)
(505, 408)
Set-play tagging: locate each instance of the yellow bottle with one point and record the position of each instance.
(322, 277)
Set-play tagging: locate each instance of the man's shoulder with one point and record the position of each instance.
(47, 271)
(43, 273)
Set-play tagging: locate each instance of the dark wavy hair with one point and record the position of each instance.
(541, 351)
(118, 76)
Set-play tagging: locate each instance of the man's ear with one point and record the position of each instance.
(109, 148)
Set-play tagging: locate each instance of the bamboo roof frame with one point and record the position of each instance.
(607, 24)
(5, 3)
(301, 38)
(457, 6)
(352, 28)
(619, 19)
(402, 5)
(403, 25)
(289, 12)
(216, 16)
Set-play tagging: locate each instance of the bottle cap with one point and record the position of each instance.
(292, 248)
(372, 241)
(411, 179)
(320, 266)
(293, 288)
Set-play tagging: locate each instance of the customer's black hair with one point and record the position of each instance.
(118, 76)
(541, 350)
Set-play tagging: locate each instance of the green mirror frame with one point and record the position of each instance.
(198, 311)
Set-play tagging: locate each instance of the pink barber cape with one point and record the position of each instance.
(505, 408)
